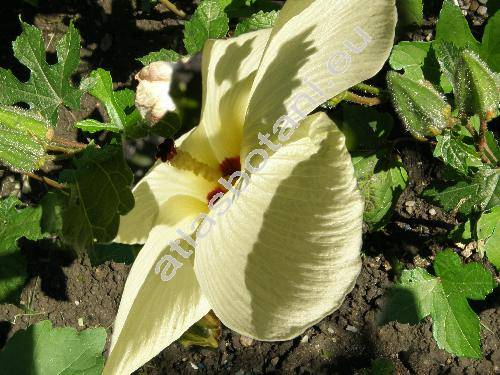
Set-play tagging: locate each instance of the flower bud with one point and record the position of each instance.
(153, 98)
(475, 88)
(423, 110)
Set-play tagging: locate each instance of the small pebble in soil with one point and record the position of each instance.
(77, 303)
(330, 330)
(482, 11)
(246, 341)
(351, 329)
(305, 339)
(420, 262)
(80, 322)
(410, 206)
(432, 212)
(193, 366)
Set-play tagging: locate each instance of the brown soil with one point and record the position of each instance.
(73, 293)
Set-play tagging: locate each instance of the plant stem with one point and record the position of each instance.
(369, 89)
(481, 142)
(171, 7)
(363, 100)
(72, 144)
(46, 180)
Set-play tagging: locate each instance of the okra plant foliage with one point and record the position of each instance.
(443, 94)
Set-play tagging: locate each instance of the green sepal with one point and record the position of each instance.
(205, 333)
(423, 110)
(475, 87)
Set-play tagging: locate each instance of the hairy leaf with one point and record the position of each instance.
(365, 128)
(49, 86)
(119, 105)
(257, 21)
(100, 193)
(161, 55)
(381, 183)
(410, 57)
(453, 27)
(208, 22)
(14, 224)
(42, 349)
(469, 195)
(23, 138)
(456, 327)
(455, 152)
(490, 50)
(410, 12)
(488, 235)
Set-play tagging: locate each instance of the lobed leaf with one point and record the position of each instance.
(14, 224)
(42, 349)
(488, 235)
(100, 193)
(469, 195)
(456, 153)
(209, 21)
(49, 86)
(456, 327)
(161, 55)
(119, 105)
(257, 21)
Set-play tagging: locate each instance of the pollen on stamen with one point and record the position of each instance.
(166, 150)
(213, 193)
(230, 165)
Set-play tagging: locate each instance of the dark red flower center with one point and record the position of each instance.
(230, 165)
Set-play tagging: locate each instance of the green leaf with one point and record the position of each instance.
(410, 57)
(23, 138)
(116, 252)
(209, 21)
(490, 50)
(49, 86)
(469, 195)
(453, 27)
(448, 56)
(475, 88)
(119, 105)
(488, 235)
(423, 110)
(410, 12)
(100, 193)
(161, 55)
(257, 21)
(380, 366)
(42, 349)
(365, 128)
(453, 150)
(456, 327)
(381, 183)
(14, 224)
(245, 8)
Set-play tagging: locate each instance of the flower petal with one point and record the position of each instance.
(317, 49)
(228, 70)
(162, 183)
(154, 313)
(286, 251)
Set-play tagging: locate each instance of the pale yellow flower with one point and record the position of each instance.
(280, 250)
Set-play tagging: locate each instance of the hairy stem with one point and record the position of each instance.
(363, 100)
(369, 89)
(171, 7)
(46, 181)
